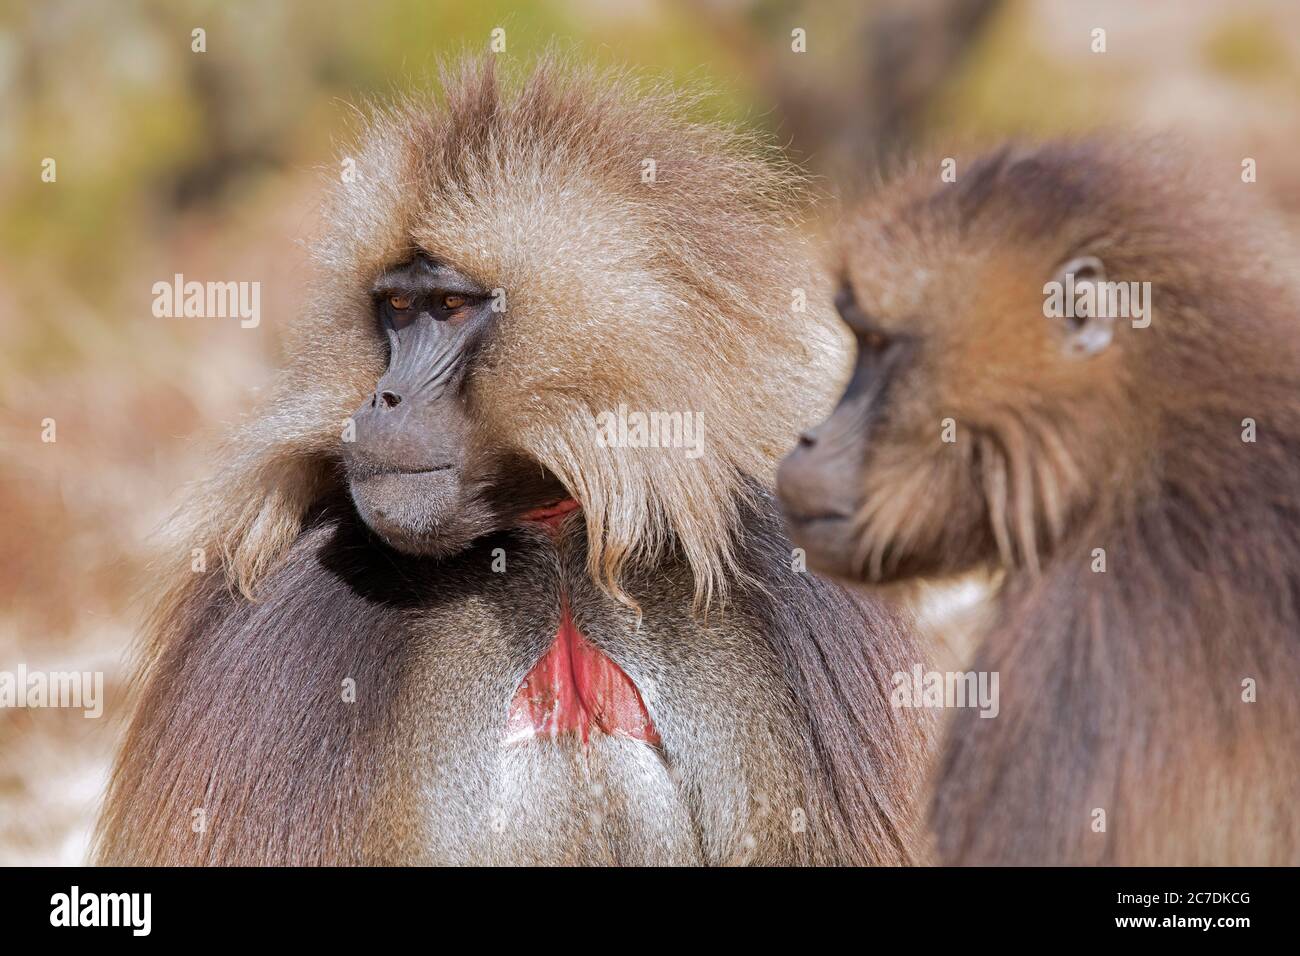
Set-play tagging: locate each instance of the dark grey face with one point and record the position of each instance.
(416, 471)
(819, 483)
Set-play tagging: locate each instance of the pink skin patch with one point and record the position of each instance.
(575, 688)
(551, 515)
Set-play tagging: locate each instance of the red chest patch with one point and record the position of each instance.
(575, 688)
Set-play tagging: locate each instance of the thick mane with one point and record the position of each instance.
(646, 264)
(1194, 514)
(1038, 456)
(868, 758)
(669, 257)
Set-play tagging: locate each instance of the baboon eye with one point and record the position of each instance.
(399, 303)
(870, 338)
(453, 301)
(873, 339)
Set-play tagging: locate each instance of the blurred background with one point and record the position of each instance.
(209, 164)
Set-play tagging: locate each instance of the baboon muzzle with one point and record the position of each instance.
(406, 462)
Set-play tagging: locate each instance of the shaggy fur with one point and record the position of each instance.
(778, 744)
(536, 188)
(1122, 690)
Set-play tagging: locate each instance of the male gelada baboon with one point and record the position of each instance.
(1137, 477)
(480, 632)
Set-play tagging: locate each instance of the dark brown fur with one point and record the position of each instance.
(1121, 691)
(767, 686)
(774, 709)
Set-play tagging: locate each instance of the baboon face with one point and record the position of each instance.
(420, 471)
(975, 423)
(511, 265)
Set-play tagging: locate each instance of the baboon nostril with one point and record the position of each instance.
(391, 399)
(807, 439)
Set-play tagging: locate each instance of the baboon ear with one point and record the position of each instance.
(1079, 306)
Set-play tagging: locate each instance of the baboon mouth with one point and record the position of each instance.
(576, 688)
(423, 512)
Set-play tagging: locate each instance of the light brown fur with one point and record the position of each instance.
(1122, 690)
(535, 188)
(674, 295)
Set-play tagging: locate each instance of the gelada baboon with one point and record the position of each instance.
(1137, 477)
(485, 629)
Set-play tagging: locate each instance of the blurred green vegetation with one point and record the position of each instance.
(1246, 47)
(151, 138)
(1012, 85)
(143, 129)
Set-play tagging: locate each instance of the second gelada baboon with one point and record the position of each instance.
(1078, 366)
